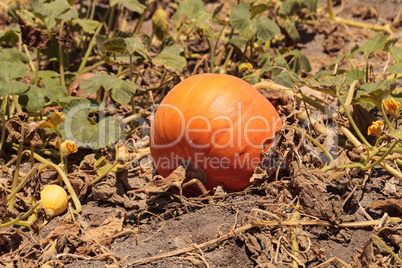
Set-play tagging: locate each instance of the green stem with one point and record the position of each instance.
(212, 52)
(96, 65)
(61, 56)
(17, 166)
(219, 37)
(364, 167)
(367, 72)
(92, 43)
(103, 174)
(37, 66)
(17, 105)
(3, 120)
(63, 176)
(377, 143)
(130, 74)
(229, 56)
(330, 10)
(32, 148)
(352, 122)
(140, 21)
(387, 248)
(31, 64)
(350, 136)
(20, 185)
(384, 114)
(59, 141)
(132, 117)
(93, 7)
(331, 159)
(111, 18)
(17, 220)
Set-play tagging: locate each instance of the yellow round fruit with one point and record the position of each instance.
(54, 198)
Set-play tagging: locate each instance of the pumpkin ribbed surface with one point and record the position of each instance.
(218, 122)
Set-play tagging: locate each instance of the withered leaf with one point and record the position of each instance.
(32, 36)
(32, 134)
(107, 229)
(33, 186)
(4, 211)
(315, 200)
(112, 190)
(82, 177)
(64, 226)
(161, 185)
(14, 127)
(39, 220)
(10, 240)
(66, 39)
(387, 204)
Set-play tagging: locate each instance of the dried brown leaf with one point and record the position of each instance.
(112, 190)
(82, 177)
(388, 204)
(14, 127)
(314, 198)
(10, 240)
(63, 227)
(110, 227)
(66, 39)
(32, 36)
(161, 185)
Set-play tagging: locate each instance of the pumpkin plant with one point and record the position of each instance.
(219, 123)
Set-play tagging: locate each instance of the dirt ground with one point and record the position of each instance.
(148, 226)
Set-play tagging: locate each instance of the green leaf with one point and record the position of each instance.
(374, 44)
(267, 29)
(396, 68)
(374, 93)
(397, 133)
(9, 71)
(170, 58)
(217, 10)
(328, 84)
(289, 7)
(374, 96)
(396, 53)
(78, 128)
(265, 62)
(115, 45)
(49, 78)
(257, 9)
(195, 15)
(92, 84)
(190, 9)
(89, 26)
(50, 12)
(298, 61)
(123, 91)
(284, 79)
(134, 45)
(10, 37)
(355, 74)
(240, 19)
(133, 5)
(13, 55)
(55, 93)
(290, 27)
(33, 99)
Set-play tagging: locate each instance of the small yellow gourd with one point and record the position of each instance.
(54, 199)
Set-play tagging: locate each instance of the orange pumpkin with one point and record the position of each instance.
(218, 122)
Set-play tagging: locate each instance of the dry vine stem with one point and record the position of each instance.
(259, 223)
